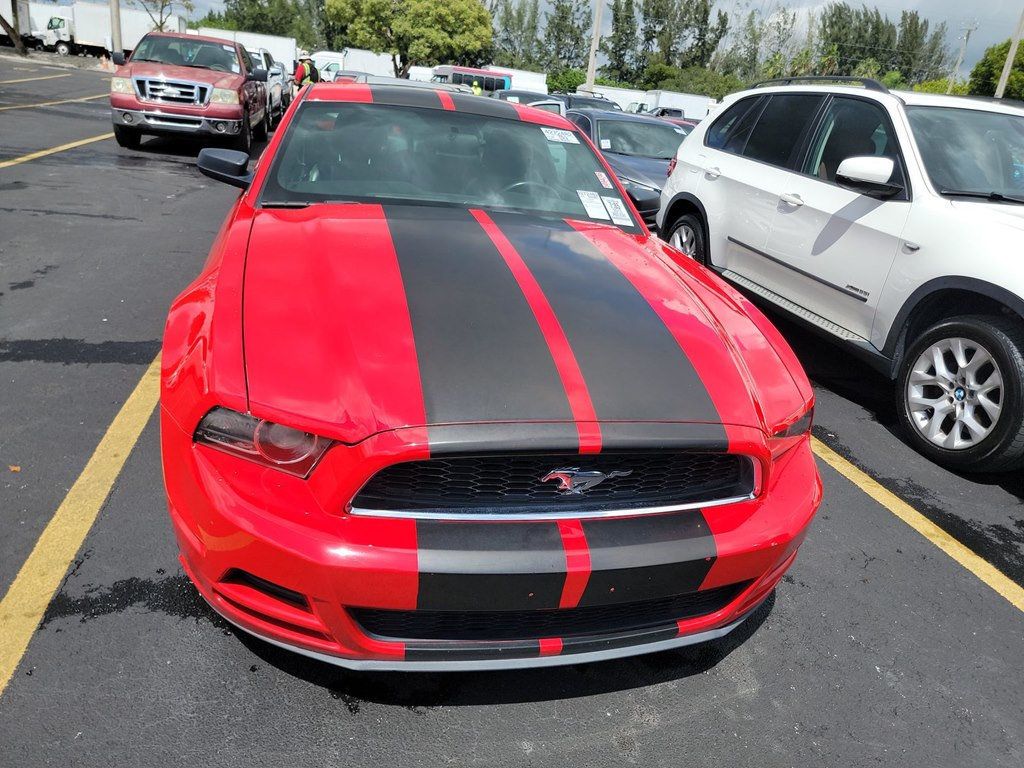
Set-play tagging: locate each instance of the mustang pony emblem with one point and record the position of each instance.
(573, 480)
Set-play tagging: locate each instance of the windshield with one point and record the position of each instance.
(188, 53)
(637, 139)
(969, 150)
(388, 154)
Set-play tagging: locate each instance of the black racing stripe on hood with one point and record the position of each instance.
(405, 96)
(481, 353)
(476, 566)
(647, 557)
(633, 366)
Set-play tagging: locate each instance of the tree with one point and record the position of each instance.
(986, 73)
(270, 17)
(941, 85)
(516, 37)
(566, 34)
(659, 22)
(161, 10)
(416, 32)
(703, 81)
(566, 81)
(697, 37)
(621, 45)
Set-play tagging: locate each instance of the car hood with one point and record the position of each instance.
(649, 171)
(174, 72)
(986, 213)
(363, 318)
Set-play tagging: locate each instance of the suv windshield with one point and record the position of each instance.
(390, 154)
(639, 139)
(970, 150)
(188, 53)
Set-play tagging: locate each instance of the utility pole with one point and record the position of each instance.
(595, 41)
(1008, 66)
(965, 38)
(115, 26)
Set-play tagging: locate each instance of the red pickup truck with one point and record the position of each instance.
(188, 85)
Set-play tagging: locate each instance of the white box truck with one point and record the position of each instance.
(85, 28)
(692, 105)
(283, 49)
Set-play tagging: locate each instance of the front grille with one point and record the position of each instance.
(171, 91)
(531, 625)
(512, 484)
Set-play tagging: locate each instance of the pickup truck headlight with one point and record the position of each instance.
(224, 96)
(120, 85)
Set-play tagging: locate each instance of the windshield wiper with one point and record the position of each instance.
(996, 197)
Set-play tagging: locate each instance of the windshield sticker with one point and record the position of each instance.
(606, 143)
(593, 205)
(603, 178)
(513, 99)
(618, 211)
(562, 137)
(228, 48)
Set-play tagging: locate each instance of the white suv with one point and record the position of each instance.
(892, 222)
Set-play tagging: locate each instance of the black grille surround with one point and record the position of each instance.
(590, 621)
(501, 485)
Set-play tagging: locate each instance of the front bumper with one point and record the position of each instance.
(278, 556)
(155, 121)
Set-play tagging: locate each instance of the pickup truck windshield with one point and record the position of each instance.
(975, 152)
(188, 53)
(336, 152)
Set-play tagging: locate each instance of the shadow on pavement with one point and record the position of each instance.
(424, 690)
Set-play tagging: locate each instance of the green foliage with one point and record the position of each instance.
(697, 80)
(517, 34)
(566, 80)
(270, 17)
(621, 45)
(893, 80)
(416, 32)
(567, 34)
(986, 73)
(940, 85)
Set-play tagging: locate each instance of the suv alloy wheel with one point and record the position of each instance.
(961, 393)
(687, 236)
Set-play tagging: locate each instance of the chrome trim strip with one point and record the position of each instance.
(539, 516)
(137, 81)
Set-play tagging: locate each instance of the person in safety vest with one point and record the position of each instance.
(306, 72)
(477, 90)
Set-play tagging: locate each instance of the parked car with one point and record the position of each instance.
(481, 420)
(519, 96)
(889, 222)
(637, 147)
(180, 84)
(279, 82)
(581, 101)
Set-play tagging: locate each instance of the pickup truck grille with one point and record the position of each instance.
(171, 91)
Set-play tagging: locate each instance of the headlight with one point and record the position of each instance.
(224, 96)
(637, 186)
(120, 85)
(790, 435)
(274, 445)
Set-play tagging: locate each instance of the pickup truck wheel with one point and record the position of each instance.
(263, 129)
(687, 235)
(62, 49)
(961, 393)
(243, 141)
(129, 138)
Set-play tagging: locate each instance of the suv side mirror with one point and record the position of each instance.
(118, 58)
(227, 165)
(258, 74)
(869, 176)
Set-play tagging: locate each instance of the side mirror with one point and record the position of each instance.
(227, 165)
(869, 176)
(118, 58)
(259, 75)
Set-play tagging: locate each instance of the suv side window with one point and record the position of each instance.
(729, 132)
(852, 128)
(582, 122)
(776, 136)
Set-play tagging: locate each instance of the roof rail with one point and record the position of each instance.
(867, 82)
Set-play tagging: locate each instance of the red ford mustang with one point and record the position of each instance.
(438, 400)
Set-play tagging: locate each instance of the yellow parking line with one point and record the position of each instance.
(984, 570)
(54, 103)
(23, 606)
(29, 79)
(54, 150)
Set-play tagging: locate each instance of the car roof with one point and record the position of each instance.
(184, 36)
(433, 96)
(518, 92)
(915, 98)
(614, 114)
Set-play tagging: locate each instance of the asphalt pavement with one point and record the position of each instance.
(878, 649)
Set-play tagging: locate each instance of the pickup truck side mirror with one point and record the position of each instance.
(259, 75)
(227, 165)
(869, 176)
(118, 58)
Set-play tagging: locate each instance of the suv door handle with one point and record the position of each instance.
(791, 198)
(712, 173)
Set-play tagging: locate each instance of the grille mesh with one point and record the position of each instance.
(530, 625)
(513, 483)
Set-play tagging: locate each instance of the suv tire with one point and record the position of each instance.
(687, 235)
(977, 422)
(129, 138)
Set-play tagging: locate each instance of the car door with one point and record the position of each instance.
(256, 94)
(831, 248)
(745, 164)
